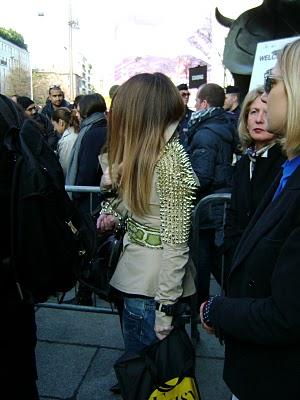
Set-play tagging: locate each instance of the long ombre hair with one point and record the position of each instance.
(142, 109)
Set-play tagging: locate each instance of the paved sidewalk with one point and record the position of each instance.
(76, 352)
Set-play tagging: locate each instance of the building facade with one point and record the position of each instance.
(60, 76)
(15, 69)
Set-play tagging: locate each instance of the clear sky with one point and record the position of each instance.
(112, 29)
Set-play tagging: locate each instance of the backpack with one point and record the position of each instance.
(51, 239)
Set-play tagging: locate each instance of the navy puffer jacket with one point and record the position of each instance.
(210, 144)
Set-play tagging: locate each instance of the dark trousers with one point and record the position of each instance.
(19, 375)
(206, 262)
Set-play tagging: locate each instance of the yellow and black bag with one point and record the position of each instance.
(165, 370)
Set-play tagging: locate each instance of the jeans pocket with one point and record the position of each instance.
(138, 323)
(132, 324)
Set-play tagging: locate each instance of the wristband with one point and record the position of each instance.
(205, 311)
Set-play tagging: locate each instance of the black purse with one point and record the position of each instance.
(163, 371)
(98, 272)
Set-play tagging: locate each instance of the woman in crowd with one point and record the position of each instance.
(84, 168)
(255, 171)
(155, 184)
(65, 122)
(260, 317)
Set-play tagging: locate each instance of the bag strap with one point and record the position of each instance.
(14, 222)
(104, 195)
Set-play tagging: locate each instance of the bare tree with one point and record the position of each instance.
(202, 38)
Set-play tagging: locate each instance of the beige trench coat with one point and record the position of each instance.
(165, 273)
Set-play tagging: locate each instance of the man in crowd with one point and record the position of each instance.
(232, 106)
(185, 94)
(46, 127)
(55, 100)
(232, 100)
(210, 144)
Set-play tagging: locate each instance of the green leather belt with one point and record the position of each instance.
(143, 235)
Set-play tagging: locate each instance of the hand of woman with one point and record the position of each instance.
(105, 180)
(163, 324)
(162, 331)
(106, 222)
(208, 329)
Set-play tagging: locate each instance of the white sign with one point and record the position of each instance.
(265, 58)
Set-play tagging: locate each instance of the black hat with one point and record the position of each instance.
(10, 115)
(232, 89)
(183, 86)
(24, 101)
(113, 90)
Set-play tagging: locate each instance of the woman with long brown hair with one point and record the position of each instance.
(155, 184)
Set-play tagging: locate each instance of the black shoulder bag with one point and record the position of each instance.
(98, 273)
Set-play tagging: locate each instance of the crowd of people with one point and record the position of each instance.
(161, 160)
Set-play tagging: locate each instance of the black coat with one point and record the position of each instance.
(183, 125)
(247, 194)
(17, 317)
(260, 318)
(89, 170)
(47, 130)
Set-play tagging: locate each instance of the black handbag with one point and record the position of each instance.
(164, 370)
(99, 271)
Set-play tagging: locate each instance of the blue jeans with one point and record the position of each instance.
(138, 323)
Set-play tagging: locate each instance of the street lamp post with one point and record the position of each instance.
(72, 25)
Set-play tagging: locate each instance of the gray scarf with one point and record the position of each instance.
(73, 164)
(199, 115)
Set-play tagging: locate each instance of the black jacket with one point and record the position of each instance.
(47, 130)
(260, 318)
(247, 194)
(89, 170)
(183, 125)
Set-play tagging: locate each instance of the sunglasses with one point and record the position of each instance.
(185, 94)
(55, 87)
(270, 80)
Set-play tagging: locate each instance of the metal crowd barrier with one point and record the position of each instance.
(84, 189)
(74, 307)
(222, 199)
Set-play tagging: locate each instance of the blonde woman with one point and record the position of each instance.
(260, 318)
(156, 185)
(254, 172)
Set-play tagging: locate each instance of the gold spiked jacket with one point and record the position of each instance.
(166, 271)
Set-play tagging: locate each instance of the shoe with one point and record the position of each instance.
(80, 300)
(115, 388)
(71, 301)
